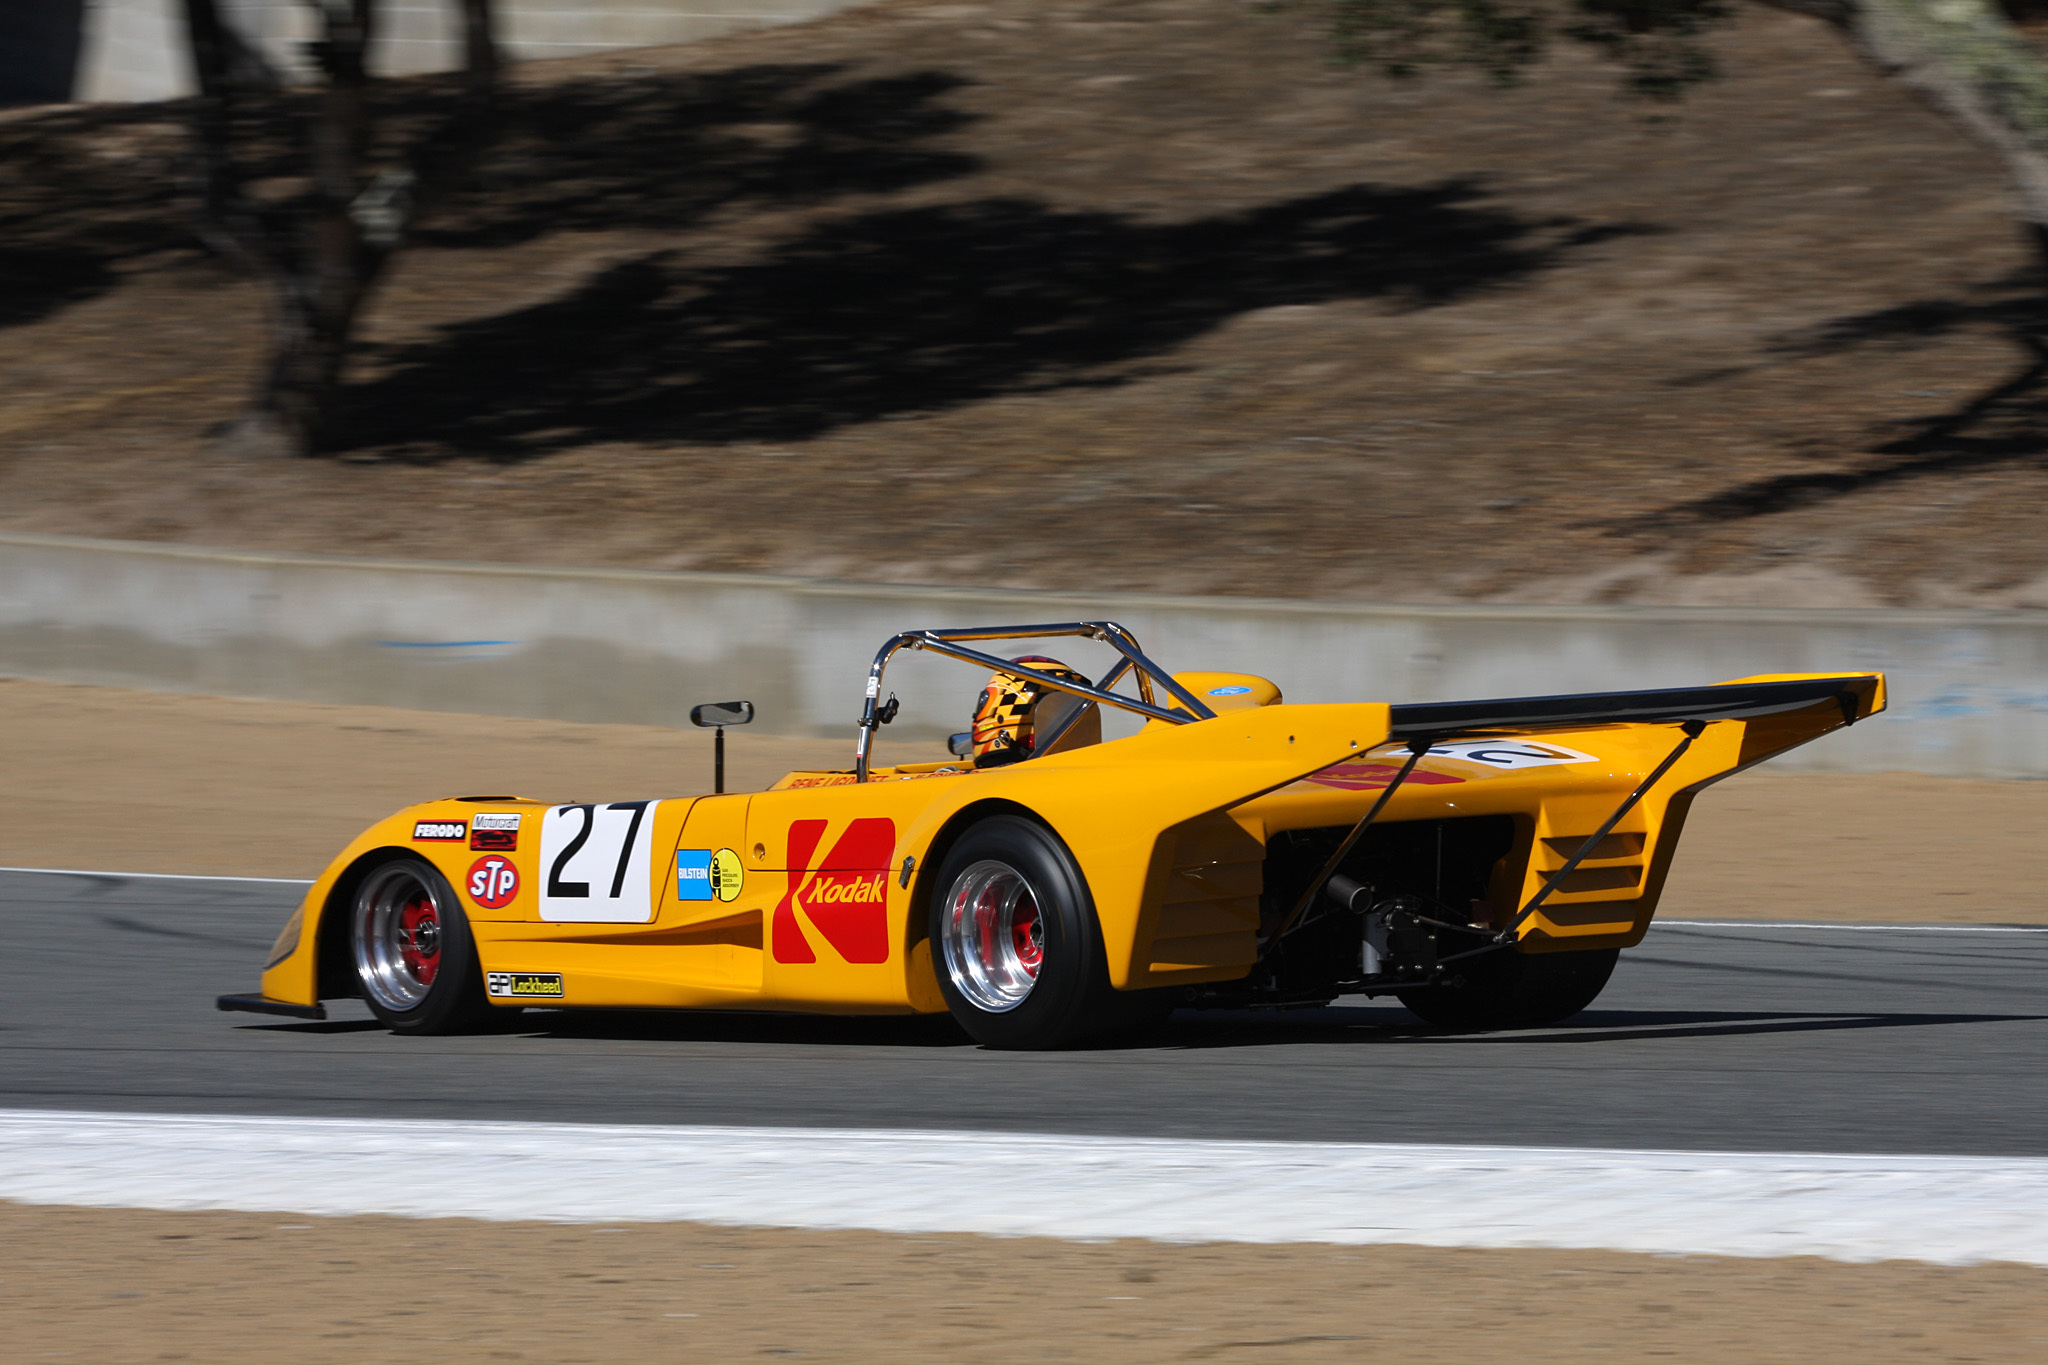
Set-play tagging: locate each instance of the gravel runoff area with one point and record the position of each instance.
(120, 1286)
(1136, 294)
(100, 778)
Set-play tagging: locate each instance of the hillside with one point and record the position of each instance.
(1134, 294)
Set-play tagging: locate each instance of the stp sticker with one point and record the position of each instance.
(438, 831)
(547, 985)
(499, 832)
(493, 882)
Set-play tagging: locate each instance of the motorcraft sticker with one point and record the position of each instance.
(524, 985)
(499, 832)
(596, 863)
(493, 882)
(438, 831)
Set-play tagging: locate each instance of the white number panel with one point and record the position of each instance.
(1509, 753)
(594, 863)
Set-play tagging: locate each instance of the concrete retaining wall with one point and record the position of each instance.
(1970, 689)
(135, 49)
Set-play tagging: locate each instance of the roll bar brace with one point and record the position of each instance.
(953, 645)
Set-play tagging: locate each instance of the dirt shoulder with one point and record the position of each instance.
(121, 1286)
(144, 782)
(1113, 294)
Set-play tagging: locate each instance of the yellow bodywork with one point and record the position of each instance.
(815, 891)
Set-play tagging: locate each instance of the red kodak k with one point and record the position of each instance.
(845, 897)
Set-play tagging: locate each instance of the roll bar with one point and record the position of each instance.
(953, 645)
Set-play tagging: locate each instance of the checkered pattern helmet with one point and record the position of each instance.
(1004, 714)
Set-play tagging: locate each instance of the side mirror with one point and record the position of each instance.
(961, 745)
(715, 716)
(713, 713)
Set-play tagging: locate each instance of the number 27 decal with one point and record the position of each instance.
(595, 862)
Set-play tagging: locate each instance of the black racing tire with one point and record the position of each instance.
(1516, 990)
(404, 919)
(1016, 946)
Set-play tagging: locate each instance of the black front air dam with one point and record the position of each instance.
(263, 1004)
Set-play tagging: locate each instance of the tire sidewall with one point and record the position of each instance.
(456, 1001)
(1069, 998)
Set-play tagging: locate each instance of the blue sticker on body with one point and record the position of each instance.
(1234, 690)
(693, 874)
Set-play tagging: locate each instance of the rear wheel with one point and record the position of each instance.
(1016, 946)
(414, 957)
(1516, 990)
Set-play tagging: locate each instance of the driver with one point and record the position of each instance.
(1009, 717)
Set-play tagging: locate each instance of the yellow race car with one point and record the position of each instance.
(1483, 861)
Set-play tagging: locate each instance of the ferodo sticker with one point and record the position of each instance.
(524, 985)
(495, 831)
(1509, 754)
(493, 882)
(844, 897)
(596, 861)
(438, 831)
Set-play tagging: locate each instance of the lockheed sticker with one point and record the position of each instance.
(524, 985)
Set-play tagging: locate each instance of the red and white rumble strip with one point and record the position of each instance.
(1849, 1207)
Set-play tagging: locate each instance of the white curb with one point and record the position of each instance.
(1950, 1210)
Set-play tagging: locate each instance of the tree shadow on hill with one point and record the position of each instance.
(86, 193)
(663, 150)
(918, 309)
(2005, 424)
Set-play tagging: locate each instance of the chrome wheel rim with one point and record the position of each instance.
(993, 938)
(399, 934)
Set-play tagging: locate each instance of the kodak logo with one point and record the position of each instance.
(844, 896)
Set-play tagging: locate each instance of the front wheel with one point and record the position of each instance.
(1516, 990)
(1016, 946)
(415, 960)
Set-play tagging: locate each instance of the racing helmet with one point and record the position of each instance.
(1005, 714)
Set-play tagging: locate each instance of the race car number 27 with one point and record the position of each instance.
(594, 863)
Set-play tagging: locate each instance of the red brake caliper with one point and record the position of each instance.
(1026, 937)
(422, 945)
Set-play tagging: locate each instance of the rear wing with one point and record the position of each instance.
(1857, 695)
(1779, 711)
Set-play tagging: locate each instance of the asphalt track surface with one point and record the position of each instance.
(1754, 1038)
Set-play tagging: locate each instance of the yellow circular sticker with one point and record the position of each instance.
(727, 876)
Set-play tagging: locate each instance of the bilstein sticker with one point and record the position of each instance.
(499, 832)
(438, 831)
(693, 874)
(524, 985)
